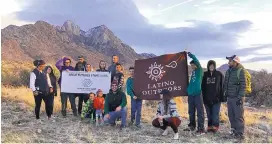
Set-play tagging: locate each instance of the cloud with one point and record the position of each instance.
(122, 16)
(257, 59)
(209, 1)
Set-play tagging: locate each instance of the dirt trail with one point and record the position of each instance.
(19, 125)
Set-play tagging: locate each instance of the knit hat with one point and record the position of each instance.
(234, 58)
(99, 90)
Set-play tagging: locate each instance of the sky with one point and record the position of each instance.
(211, 29)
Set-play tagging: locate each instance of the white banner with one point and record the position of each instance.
(85, 82)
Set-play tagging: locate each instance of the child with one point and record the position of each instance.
(88, 109)
(119, 76)
(99, 107)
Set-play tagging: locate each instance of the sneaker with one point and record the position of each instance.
(176, 136)
(75, 114)
(122, 127)
(189, 128)
(63, 113)
(215, 129)
(232, 132)
(113, 124)
(165, 133)
(210, 129)
(131, 123)
(138, 126)
(200, 132)
(239, 136)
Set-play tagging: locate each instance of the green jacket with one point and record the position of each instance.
(87, 108)
(194, 88)
(113, 100)
(129, 86)
(232, 86)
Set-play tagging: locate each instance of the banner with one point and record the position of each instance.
(163, 72)
(85, 82)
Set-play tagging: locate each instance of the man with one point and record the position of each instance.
(64, 64)
(41, 86)
(119, 76)
(136, 103)
(112, 68)
(81, 65)
(212, 91)
(115, 106)
(195, 100)
(234, 90)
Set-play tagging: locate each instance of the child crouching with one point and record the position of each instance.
(99, 107)
(88, 109)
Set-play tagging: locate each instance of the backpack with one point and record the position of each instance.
(248, 80)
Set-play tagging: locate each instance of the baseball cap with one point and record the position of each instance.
(234, 58)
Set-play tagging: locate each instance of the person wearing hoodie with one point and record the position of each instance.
(119, 76)
(234, 90)
(53, 79)
(115, 106)
(112, 68)
(195, 100)
(102, 66)
(136, 103)
(64, 64)
(212, 91)
(41, 87)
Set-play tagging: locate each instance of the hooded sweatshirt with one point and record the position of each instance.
(194, 88)
(212, 85)
(113, 100)
(61, 67)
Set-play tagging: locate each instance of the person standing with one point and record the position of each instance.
(41, 87)
(53, 79)
(136, 103)
(234, 90)
(64, 64)
(212, 91)
(167, 115)
(115, 106)
(112, 68)
(119, 76)
(195, 100)
(102, 66)
(81, 65)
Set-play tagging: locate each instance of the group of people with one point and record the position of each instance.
(207, 90)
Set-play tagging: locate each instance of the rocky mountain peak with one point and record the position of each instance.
(70, 27)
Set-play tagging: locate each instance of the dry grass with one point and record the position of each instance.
(19, 125)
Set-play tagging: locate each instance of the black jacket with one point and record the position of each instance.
(80, 66)
(212, 86)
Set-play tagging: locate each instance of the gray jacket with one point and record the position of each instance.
(232, 86)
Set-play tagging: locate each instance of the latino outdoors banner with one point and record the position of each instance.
(163, 72)
(85, 82)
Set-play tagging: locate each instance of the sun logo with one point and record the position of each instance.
(155, 72)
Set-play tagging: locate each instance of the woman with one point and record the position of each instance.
(102, 66)
(167, 115)
(89, 68)
(53, 79)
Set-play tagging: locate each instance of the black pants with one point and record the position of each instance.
(38, 102)
(51, 102)
(81, 98)
(64, 98)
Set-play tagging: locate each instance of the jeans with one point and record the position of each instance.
(173, 122)
(38, 102)
(64, 98)
(136, 110)
(115, 114)
(196, 104)
(213, 114)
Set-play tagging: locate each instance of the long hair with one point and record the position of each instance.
(100, 64)
(165, 101)
(52, 74)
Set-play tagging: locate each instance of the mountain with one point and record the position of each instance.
(223, 68)
(148, 55)
(45, 41)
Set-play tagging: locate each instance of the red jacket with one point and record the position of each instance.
(99, 103)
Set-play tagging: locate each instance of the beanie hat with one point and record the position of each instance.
(99, 90)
